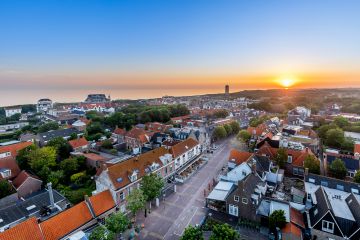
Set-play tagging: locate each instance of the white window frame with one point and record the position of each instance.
(327, 228)
(233, 210)
(236, 198)
(244, 201)
(289, 159)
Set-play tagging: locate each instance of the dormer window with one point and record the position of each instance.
(290, 158)
(133, 176)
(5, 173)
(154, 166)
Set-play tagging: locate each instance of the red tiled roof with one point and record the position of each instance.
(26, 230)
(357, 148)
(66, 222)
(21, 178)
(257, 130)
(292, 229)
(76, 143)
(94, 157)
(14, 148)
(239, 157)
(102, 202)
(138, 134)
(120, 131)
(180, 118)
(298, 157)
(157, 127)
(119, 173)
(297, 218)
(183, 147)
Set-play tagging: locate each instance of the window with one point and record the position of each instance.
(340, 187)
(236, 198)
(324, 183)
(327, 226)
(295, 171)
(311, 180)
(289, 160)
(316, 212)
(233, 210)
(122, 196)
(355, 191)
(244, 201)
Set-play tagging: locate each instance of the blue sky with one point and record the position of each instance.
(119, 43)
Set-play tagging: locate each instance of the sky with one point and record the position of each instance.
(64, 49)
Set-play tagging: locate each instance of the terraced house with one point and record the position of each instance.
(123, 177)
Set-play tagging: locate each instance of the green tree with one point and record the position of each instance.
(228, 129)
(136, 201)
(277, 219)
(313, 164)
(235, 126)
(48, 126)
(223, 231)
(348, 144)
(357, 177)
(107, 144)
(69, 166)
(243, 136)
(341, 121)
(101, 233)
(222, 113)
(55, 177)
(338, 169)
(79, 178)
(281, 157)
(192, 233)
(5, 188)
(324, 128)
(219, 132)
(117, 223)
(151, 186)
(335, 138)
(41, 161)
(62, 147)
(22, 157)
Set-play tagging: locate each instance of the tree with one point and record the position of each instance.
(101, 233)
(223, 231)
(22, 157)
(79, 178)
(117, 223)
(313, 164)
(338, 169)
(244, 136)
(277, 219)
(48, 126)
(5, 188)
(151, 186)
(107, 144)
(235, 126)
(341, 121)
(136, 201)
(228, 129)
(62, 147)
(192, 233)
(357, 177)
(324, 128)
(55, 177)
(281, 157)
(219, 132)
(222, 113)
(41, 161)
(69, 166)
(335, 138)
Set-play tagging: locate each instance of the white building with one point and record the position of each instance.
(10, 111)
(44, 105)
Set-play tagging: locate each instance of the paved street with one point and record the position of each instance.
(186, 206)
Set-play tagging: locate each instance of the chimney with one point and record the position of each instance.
(51, 194)
(88, 203)
(253, 167)
(306, 171)
(307, 149)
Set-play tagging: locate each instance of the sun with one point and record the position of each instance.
(287, 82)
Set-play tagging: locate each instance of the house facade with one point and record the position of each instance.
(123, 177)
(10, 111)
